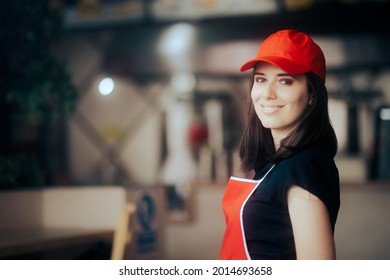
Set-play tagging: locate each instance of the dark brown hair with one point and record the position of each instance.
(313, 129)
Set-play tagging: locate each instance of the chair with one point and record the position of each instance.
(123, 233)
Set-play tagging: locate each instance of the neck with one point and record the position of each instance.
(277, 136)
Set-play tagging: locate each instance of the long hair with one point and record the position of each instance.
(313, 129)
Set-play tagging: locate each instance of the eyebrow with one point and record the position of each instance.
(279, 75)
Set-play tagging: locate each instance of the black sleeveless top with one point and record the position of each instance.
(266, 220)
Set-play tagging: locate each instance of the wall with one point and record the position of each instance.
(117, 133)
(120, 131)
(201, 238)
(363, 230)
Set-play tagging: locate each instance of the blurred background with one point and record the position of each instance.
(104, 104)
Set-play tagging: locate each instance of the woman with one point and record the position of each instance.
(289, 209)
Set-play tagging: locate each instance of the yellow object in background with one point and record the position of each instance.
(112, 132)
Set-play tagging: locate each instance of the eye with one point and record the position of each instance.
(259, 79)
(286, 82)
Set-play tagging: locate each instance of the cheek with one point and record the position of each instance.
(253, 94)
(256, 92)
(299, 100)
(299, 106)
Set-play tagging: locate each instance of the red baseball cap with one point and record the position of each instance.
(293, 51)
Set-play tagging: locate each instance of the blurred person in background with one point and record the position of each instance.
(289, 209)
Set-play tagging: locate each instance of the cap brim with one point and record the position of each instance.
(283, 63)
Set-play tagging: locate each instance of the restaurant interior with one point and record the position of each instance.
(120, 122)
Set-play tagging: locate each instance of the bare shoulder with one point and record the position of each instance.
(299, 193)
(311, 226)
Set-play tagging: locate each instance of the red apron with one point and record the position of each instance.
(237, 193)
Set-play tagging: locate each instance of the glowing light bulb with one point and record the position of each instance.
(106, 86)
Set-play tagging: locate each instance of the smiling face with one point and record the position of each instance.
(279, 98)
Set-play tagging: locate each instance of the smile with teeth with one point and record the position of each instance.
(270, 109)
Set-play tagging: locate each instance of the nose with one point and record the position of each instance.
(269, 92)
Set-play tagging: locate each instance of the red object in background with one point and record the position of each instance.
(198, 133)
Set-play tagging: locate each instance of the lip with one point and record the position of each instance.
(270, 109)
